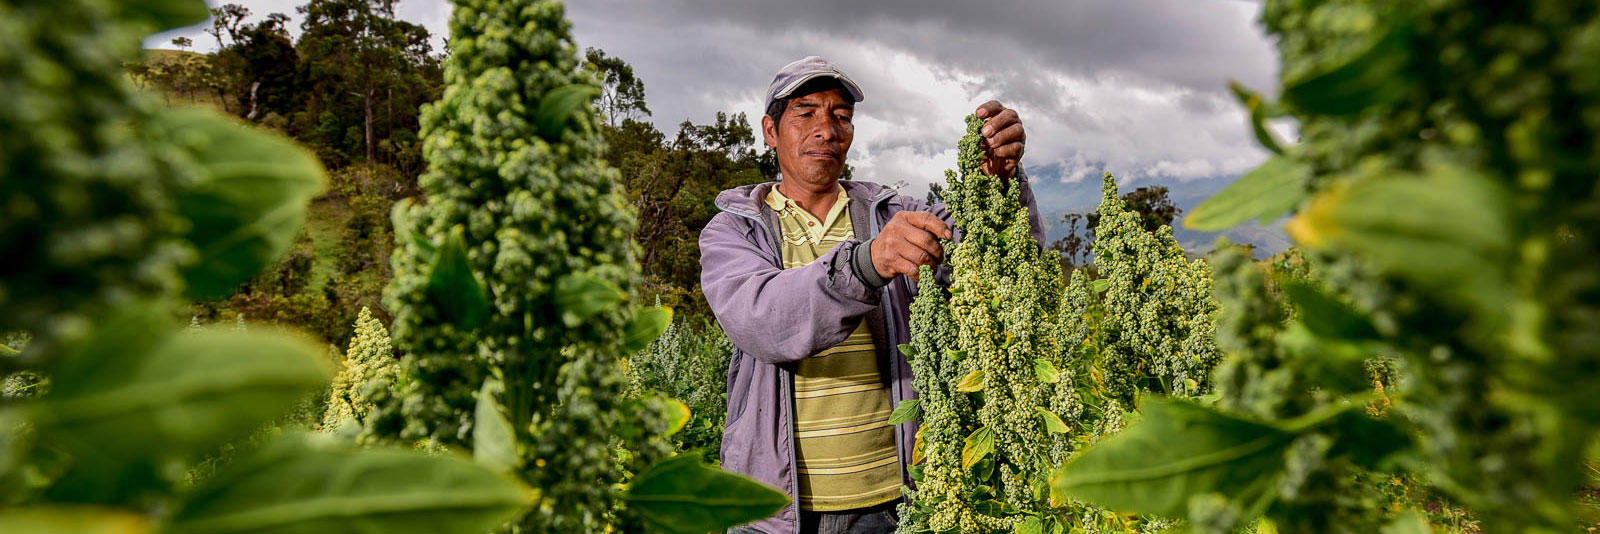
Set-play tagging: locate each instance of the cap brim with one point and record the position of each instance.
(849, 85)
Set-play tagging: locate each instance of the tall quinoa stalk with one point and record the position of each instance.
(511, 279)
(988, 363)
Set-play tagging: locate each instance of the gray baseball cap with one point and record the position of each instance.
(796, 74)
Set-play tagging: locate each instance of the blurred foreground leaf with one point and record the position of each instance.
(138, 394)
(72, 520)
(683, 496)
(295, 486)
(249, 206)
(1180, 450)
(1265, 193)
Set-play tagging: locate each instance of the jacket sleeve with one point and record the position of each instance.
(779, 315)
(1035, 219)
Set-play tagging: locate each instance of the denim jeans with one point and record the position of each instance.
(880, 519)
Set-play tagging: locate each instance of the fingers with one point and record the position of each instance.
(1010, 134)
(927, 250)
(999, 122)
(928, 222)
(989, 109)
(1007, 151)
(1004, 140)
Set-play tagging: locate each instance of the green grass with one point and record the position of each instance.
(325, 222)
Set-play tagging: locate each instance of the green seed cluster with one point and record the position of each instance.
(87, 194)
(535, 204)
(1159, 312)
(999, 321)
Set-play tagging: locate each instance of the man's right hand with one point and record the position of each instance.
(910, 240)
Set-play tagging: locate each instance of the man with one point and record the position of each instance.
(810, 278)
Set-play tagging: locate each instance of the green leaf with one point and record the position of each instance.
(163, 396)
(977, 446)
(1031, 525)
(295, 486)
(908, 410)
(678, 414)
(1265, 193)
(248, 207)
(494, 443)
(1101, 285)
(1449, 231)
(972, 382)
(7, 351)
(1410, 522)
(1375, 444)
(1260, 110)
(1327, 316)
(647, 325)
(1179, 450)
(1052, 423)
(994, 508)
(73, 520)
(452, 287)
(908, 351)
(580, 296)
(683, 495)
(956, 355)
(163, 15)
(1331, 364)
(1376, 73)
(405, 225)
(559, 106)
(1046, 371)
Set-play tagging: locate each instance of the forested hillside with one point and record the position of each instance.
(350, 88)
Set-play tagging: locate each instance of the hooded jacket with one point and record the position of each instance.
(776, 317)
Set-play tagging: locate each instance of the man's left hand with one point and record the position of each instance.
(1002, 139)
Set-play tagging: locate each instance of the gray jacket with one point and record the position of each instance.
(777, 317)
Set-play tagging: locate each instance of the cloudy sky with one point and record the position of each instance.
(1135, 87)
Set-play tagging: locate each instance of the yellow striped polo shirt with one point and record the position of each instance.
(843, 440)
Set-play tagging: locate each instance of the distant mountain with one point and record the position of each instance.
(1057, 198)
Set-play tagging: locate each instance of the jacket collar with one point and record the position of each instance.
(747, 200)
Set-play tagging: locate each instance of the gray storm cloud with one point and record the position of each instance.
(1136, 87)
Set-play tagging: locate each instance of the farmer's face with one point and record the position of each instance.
(813, 138)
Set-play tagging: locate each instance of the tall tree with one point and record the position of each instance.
(622, 94)
(227, 21)
(356, 48)
(267, 60)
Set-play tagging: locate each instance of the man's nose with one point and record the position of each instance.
(828, 130)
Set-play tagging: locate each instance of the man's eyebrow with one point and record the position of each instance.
(807, 105)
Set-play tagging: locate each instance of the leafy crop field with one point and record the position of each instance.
(450, 318)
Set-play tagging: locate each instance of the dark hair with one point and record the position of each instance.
(815, 85)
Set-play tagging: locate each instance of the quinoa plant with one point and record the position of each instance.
(117, 209)
(1445, 193)
(1158, 314)
(370, 359)
(511, 286)
(997, 395)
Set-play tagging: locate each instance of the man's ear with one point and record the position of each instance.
(769, 131)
